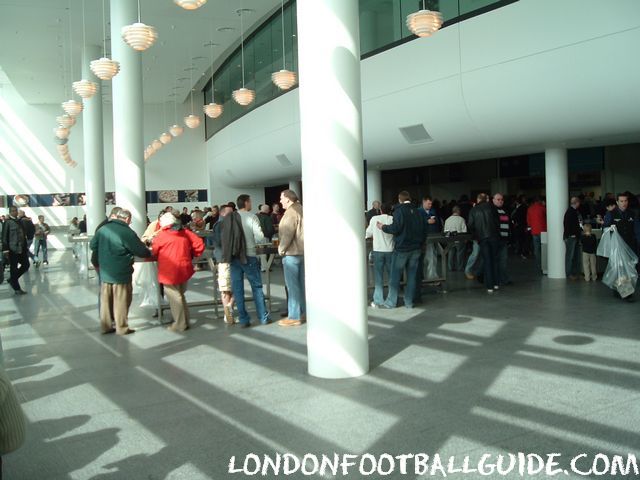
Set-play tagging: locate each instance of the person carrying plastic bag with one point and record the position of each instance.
(621, 274)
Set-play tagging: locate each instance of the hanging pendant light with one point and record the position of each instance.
(176, 130)
(62, 149)
(213, 109)
(85, 88)
(66, 120)
(72, 107)
(61, 132)
(165, 138)
(138, 35)
(243, 96)
(424, 23)
(192, 121)
(190, 4)
(156, 144)
(283, 79)
(104, 68)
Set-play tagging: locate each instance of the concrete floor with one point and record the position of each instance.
(539, 367)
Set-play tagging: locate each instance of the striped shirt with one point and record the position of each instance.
(505, 222)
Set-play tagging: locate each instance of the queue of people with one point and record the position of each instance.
(498, 226)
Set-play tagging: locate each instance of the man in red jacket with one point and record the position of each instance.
(537, 221)
(175, 247)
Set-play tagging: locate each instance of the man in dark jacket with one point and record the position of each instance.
(409, 230)
(29, 231)
(624, 220)
(572, 232)
(14, 247)
(117, 245)
(484, 225)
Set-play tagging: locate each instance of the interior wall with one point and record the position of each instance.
(622, 168)
(30, 163)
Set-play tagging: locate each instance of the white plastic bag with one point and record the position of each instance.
(147, 283)
(621, 274)
(604, 247)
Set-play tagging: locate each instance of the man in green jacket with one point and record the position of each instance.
(117, 245)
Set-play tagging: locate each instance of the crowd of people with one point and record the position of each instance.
(498, 226)
(175, 238)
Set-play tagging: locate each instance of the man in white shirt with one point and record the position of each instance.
(455, 223)
(252, 235)
(382, 252)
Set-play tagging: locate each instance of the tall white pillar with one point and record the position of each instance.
(92, 129)
(128, 145)
(557, 187)
(331, 144)
(374, 187)
(295, 186)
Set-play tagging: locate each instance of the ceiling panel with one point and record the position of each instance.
(38, 42)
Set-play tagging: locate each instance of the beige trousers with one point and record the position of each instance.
(115, 300)
(178, 304)
(589, 266)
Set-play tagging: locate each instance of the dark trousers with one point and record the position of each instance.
(15, 271)
(489, 251)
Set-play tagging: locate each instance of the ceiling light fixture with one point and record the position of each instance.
(104, 68)
(190, 4)
(61, 132)
(166, 138)
(85, 88)
(66, 120)
(72, 107)
(284, 79)
(424, 23)
(213, 109)
(138, 35)
(243, 96)
(156, 144)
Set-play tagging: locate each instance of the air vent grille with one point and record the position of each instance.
(415, 134)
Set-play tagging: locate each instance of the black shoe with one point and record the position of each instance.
(20, 292)
(244, 325)
(284, 314)
(630, 299)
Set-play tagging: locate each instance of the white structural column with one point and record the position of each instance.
(557, 187)
(332, 174)
(374, 187)
(92, 130)
(128, 146)
(295, 186)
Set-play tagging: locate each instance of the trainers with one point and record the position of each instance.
(489, 290)
(374, 305)
(289, 322)
(470, 276)
(128, 331)
(496, 287)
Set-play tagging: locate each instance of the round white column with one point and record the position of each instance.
(295, 186)
(92, 130)
(331, 144)
(374, 187)
(128, 145)
(557, 187)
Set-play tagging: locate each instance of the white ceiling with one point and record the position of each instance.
(36, 41)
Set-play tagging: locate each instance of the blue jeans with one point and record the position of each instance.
(252, 270)
(537, 251)
(503, 256)
(293, 266)
(400, 261)
(474, 263)
(572, 257)
(41, 243)
(381, 262)
(489, 251)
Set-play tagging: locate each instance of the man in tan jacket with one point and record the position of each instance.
(291, 248)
